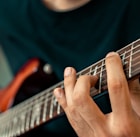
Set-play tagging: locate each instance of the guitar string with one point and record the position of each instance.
(132, 43)
(88, 72)
(138, 58)
(103, 65)
(50, 93)
(51, 96)
(23, 128)
(20, 129)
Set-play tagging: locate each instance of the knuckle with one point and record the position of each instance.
(129, 130)
(85, 80)
(72, 109)
(117, 85)
(126, 129)
(79, 99)
(84, 77)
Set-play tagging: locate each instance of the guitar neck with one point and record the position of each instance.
(43, 107)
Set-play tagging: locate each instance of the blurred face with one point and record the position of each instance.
(64, 5)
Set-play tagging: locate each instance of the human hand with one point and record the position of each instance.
(83, 113)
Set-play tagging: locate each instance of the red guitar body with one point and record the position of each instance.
(30, 80)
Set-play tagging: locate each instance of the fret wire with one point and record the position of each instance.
(105, 85)
(26, 123)
(135, 72)
(56, 86)
(97, 73)
(23, 123)
(103, 70)
(100, 77)
(36, 110)
(45, 108)
(90, 72)
(130, 62)
(129, 45)
(118, 51)
(96, 64)
(11, 119)
(48, 91)
(31, 100)
(95, 70)
(124, 58)
(19, 106)
(9, 126)
(58, 108)
(51, 108)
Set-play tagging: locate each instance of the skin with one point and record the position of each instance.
(82, 112)
(64, 5)
(85, 116)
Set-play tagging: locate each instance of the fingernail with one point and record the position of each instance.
(68, 71)
(57, 93)
(111, 54)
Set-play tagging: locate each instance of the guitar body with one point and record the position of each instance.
(32, 79)
(29, 80)
(41, 115)
(33, 84)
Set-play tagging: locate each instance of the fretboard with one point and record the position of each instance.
(43, 107)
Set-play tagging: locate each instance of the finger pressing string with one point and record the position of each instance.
(117, 85)
(60, 96)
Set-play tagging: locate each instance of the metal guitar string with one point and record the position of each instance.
(39, 98)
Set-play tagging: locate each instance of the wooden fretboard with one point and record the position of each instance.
(44, 107)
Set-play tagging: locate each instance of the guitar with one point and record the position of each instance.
(43, 107)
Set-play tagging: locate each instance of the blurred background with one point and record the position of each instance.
(5, 72)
